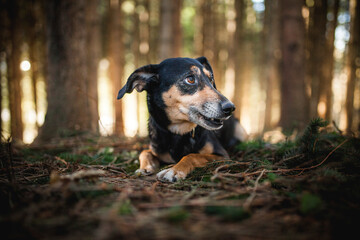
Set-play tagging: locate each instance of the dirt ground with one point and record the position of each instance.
(84, 188)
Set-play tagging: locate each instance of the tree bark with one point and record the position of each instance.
(72, 69)
(35, 33)
(116, 58)
(4, 38)
(14, 74)
(271, 59)
(240, 7)
(170, 29)
(317, 52)
(294, 103)
(328, 67)
(353, 64)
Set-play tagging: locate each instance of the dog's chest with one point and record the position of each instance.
(176, 145)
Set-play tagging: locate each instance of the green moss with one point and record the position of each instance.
(125, 208)
(176, 214)
(310, 203)
(227, 213)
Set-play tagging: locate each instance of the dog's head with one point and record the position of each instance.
(185, 88)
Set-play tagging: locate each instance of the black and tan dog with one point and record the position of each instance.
(190, 121)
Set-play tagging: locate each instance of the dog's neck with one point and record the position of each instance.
(162, 122)
(178, 128)
(182, 127)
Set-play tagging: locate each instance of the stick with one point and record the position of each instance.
(253, 194)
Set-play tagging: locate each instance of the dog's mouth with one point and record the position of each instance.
(210, 123)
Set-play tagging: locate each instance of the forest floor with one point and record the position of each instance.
(81, 188)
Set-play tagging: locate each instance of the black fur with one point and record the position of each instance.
(157, 79)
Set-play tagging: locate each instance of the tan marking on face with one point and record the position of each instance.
(207, 72)
(177, 107)
(196, 70)
(207, 149)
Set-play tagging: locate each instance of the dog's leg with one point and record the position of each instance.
(186, 165)
(148, 163)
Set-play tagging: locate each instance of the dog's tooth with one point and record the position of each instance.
(212, 119)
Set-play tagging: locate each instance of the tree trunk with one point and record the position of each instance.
(92, 56)
(294, 103)
(14, 74)
(116, 58)
(154, 28)
(3, 43)
(209, 36)
(354, 64)
(72, 33)
(240, 7)
(170, 29)
(328, 67)
(271, 59)
(317, 52)
(35, 33)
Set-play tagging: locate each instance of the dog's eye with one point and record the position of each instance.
(190, 80)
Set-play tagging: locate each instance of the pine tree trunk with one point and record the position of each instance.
(170, 29)
(271, 59)
(154, 28)
(72, 69)
(328, 67)
(36, 33)
(240, 7)
(317, 51)
(14, 74)
(92, 56)
(3, 43)
(116, 58)
(210, 46)
(294, 102)
(354, 64)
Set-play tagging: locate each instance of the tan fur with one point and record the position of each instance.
(188, 163)
(207, 72)
(166, 158)
(240, 133)
(196, 70)
(207, 149)
(177, 107)
(148, 161)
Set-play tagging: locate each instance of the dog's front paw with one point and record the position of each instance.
(144, 172)
(170, 175)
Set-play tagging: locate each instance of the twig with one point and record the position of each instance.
(319, 164)
(286, 170)
(253, 194)
(337, 128)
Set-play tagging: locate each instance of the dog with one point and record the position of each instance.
(190, 121)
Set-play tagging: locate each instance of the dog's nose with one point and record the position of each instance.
(228, 107)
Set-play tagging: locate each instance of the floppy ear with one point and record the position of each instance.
(206, 64)
(139, 79)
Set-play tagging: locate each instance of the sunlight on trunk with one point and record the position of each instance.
(106, 110)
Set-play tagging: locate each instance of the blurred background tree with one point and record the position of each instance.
(281, 62)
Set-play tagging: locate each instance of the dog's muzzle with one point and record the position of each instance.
(228, 108)
(212, 114)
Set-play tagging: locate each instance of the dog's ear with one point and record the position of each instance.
(206, 64)
(140, 79)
